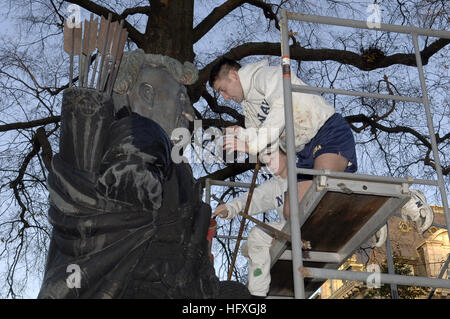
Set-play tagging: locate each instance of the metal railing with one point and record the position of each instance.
(208, 184)
(297, 263)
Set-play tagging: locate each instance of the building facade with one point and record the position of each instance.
(414, 254)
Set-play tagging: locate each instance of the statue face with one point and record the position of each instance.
(158, 96)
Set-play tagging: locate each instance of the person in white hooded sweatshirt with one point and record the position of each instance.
(267, 196)
(323, 138)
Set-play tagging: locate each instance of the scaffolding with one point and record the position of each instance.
(394, 190)
(299, 272)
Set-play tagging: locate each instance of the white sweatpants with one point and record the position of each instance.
(257, 253)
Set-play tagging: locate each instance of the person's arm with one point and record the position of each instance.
(269, 82)
(262, 201)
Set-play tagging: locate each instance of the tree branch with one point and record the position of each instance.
(219, 123)
(30, 124)
(227, 172)
(136, 10)
(214, 17)
(221, 11)
(361, 118)
(40, 140)
(361, 61)
(221, 109)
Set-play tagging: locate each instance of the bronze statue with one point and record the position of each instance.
(127, 221)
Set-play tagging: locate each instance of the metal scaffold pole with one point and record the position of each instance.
(425, 101)
(390, 263)
(297, 261)
(288, 88)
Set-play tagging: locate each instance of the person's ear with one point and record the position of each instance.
(234, 75)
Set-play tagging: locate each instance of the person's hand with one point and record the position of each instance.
(231, 144)
(221, 211)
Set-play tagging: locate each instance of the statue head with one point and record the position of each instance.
(153, 86)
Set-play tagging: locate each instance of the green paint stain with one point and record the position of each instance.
(257, 272)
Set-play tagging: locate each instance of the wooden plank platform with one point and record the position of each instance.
(336, 220)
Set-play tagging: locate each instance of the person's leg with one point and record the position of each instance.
(331, 161)
(332, 148)
(258, 246)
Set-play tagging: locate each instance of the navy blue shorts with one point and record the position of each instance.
(335, 136)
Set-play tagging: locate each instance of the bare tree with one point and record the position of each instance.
(392, 136)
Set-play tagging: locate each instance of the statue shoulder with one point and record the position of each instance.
(135, 135)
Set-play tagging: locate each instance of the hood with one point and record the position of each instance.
(247, 72)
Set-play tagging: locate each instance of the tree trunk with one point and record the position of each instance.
(169, 29)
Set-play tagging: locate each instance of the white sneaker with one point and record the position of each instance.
(418, 211)
(380, 236)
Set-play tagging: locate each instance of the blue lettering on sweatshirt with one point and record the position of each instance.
(265, 108)
(279, 200)
(261, 117)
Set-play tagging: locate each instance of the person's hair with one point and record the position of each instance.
(221, 69)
